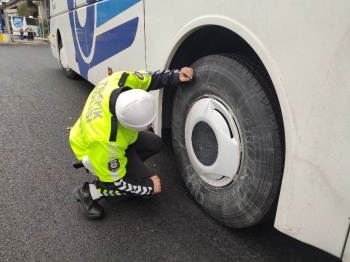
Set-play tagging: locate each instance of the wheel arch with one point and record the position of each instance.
(218, 35)
(199, 40)
(55, 40)
(59, 38)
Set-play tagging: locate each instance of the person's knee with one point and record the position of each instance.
(151, 141)
(158, 145)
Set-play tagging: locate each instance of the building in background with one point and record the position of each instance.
(10, 7)
(40, 16)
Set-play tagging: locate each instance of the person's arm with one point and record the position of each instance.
(129, 186)
(170, 78)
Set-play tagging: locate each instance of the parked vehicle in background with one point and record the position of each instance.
(266, 119)
(18, 22)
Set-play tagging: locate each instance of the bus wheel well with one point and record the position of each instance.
(59, 39)
(70, 73)
(205, 41)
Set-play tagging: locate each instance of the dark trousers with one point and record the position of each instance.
(137, 180)
(30, 36)
(147, 145)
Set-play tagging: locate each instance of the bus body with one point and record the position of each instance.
(18, 22)
(304, 49)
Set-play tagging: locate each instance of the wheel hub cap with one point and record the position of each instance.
(204, 143)
(213, 142)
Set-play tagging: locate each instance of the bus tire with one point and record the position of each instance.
(228, 139)
(70, 73)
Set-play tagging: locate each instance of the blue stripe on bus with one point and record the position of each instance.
(85, 33)
(71, 4)
(107, 44)
(114, 41)
(109, 8)
(112, 8)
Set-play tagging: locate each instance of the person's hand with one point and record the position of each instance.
(156, 182)
(186, 74)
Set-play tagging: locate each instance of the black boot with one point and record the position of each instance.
(90, 207)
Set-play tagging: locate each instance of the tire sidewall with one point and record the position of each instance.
(248, 197)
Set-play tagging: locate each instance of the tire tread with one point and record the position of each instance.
(256, 76)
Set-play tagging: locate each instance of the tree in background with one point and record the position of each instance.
(30, 4)
(45, 28)
(24, 9)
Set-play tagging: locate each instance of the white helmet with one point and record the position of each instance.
(135, 109)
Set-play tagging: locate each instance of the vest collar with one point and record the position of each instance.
(114, 96)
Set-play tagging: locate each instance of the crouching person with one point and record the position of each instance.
(112, 140)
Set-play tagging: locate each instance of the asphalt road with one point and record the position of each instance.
(40, 221)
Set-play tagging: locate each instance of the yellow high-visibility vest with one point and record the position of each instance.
(98, 135)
